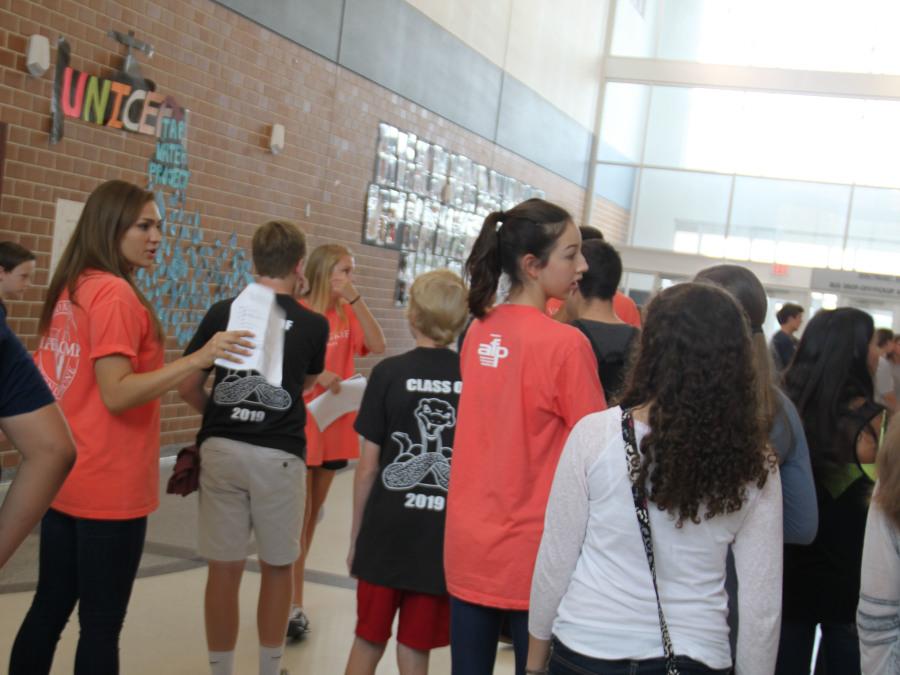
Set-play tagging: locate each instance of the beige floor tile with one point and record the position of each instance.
(164, 629)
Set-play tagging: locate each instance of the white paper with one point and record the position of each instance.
(327, 407)
(256, 309)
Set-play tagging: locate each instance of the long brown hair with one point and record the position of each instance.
(318, 272)
(888, 495)
(111, 209)
(534, 226)
(748, 290)
(705, 444)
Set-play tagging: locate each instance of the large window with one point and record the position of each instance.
(770, 177)
(826, 35)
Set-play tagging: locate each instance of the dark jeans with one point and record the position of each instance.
(93, 563)
(474, 631)
(838, 650)
(563, 661)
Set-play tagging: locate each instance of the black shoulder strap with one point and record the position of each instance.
(643, 517)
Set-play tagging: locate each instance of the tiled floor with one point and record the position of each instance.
(164, 629)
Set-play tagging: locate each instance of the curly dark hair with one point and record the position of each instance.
(695, 370)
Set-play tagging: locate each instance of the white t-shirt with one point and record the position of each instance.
(592, 587)
(884, 380)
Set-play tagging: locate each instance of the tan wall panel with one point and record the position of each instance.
(556, 48)
(481, 25)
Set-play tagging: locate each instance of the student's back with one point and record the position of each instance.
(410, 411)
(612, 343)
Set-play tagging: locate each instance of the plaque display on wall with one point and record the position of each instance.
(429, 203)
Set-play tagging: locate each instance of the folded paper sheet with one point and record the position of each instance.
(326, 408)
(257, 310)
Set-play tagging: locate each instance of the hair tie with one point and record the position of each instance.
(756, 329)
(502, 217)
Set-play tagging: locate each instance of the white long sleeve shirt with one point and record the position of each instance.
(592, 587)
(878, 615)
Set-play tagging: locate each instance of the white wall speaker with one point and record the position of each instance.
(276, 139)
(38, 55)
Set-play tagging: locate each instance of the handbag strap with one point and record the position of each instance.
(643, 517)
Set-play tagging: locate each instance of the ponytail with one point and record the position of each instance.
(483, 265)
(532, 227)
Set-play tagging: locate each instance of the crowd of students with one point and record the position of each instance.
(621, 494)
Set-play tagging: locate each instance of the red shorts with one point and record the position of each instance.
(424, 622)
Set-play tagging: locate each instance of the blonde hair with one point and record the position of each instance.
(318, 273)
(437, 306)
(888, 495)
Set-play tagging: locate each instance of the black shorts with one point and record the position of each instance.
(333, 465)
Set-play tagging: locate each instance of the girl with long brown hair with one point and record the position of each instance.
(353, 331)
(101, 352)
(527, 381)
(830, 381)
(646, 500)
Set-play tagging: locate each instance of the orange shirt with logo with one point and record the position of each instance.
(345, 341)
(116, 473)
(624, 307)
(527, 380)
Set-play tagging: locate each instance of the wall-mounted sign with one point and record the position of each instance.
(120, 102)
(881, 286)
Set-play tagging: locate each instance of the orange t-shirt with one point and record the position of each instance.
(116, 473)
(339, 440)
(623, 306)
(527, 380)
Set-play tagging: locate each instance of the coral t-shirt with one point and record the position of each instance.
(116, 473)
(624, 307)
(527, 380)
(345, 341)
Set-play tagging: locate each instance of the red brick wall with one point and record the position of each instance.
(237, 79)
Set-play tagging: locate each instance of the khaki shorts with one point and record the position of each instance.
(248, 488)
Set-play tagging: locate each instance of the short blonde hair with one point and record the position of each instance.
(437, 306)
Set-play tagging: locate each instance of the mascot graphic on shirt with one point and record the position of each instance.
(418, 462)
(239, 387)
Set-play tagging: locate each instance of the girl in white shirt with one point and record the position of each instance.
(702, 468)
(878, 615)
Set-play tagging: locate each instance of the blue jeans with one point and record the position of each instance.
(564, 661)
(838, 650)
(474, 631)
(93, 563)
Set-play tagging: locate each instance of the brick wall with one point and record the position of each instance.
(237, 79)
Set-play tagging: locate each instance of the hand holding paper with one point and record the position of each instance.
(327, 407)
(257, 311)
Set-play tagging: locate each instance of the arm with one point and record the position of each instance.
(309, 382)
(801, 510)
(879, 594)
(193, 392)
(890, 402)
(373, 337)
(48, 454)
(122, 389)
(363, 480)
(758, 562)
(868, 439)
(565, 525)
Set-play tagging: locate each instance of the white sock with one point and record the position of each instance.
(270, 659)
(221, 663)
